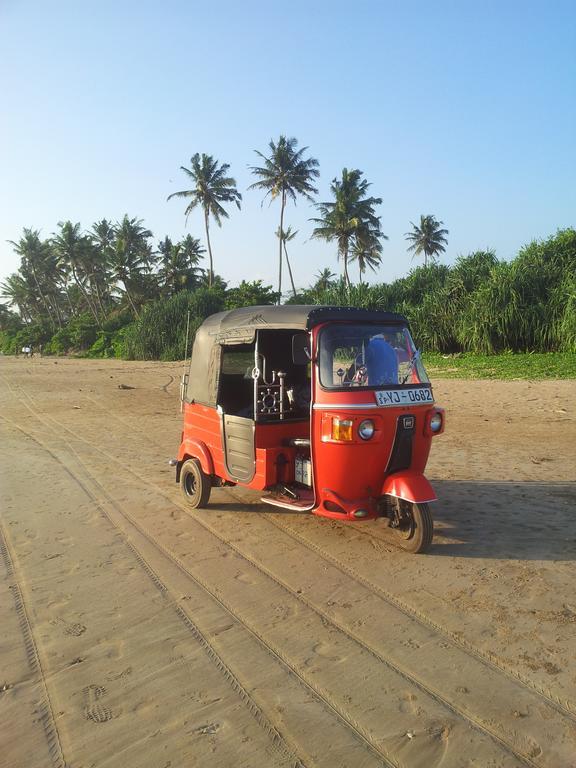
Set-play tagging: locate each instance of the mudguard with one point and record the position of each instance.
(195, 449)
(410, 486)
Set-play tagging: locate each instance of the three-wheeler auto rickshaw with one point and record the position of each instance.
(324, 409)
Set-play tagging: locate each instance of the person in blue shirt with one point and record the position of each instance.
(381, 362)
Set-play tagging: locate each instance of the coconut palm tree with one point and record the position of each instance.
(429, 238)
(102, 236)
(130, 255)
(324, 280)
(211, 188)
(367, 251)
(35, 255)
(178, 264)
(350, 219)
(73, 251)
(286, 173)
(286, 236)
(194, 252)
(19, 294)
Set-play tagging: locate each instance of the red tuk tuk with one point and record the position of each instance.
(325, 409)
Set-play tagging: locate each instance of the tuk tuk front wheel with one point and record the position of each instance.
(412, 526)
(195, 485)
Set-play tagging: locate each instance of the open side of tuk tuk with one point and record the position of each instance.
(287, 400)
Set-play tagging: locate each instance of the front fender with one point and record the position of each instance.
(410, 486)
(195, 449)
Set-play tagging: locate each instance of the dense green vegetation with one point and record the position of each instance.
(109, 291)
(510, 365)
(480, 305)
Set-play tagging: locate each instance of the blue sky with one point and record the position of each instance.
(463, 110)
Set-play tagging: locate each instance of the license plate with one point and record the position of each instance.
(391, 397)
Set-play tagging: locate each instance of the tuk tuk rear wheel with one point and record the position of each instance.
(195, 485)
(412, 526)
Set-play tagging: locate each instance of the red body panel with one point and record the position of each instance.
(270, 443)
(202, 439)
(409, 485)
(202, 427)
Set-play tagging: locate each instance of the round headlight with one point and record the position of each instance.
(366, 429)
(436, 422)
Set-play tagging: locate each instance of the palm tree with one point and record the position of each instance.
(131, 254)
(324, 280)
(102, 236)
(367, 251)
(35, 255)
(285, 174)
(178, 264)
(286, 236)
(18, 292)
(350, 219)
(428, 238)
(211, 188)
(194, 252)
(73, 252)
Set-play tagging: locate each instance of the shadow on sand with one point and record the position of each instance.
(506, 520)
(524, 521)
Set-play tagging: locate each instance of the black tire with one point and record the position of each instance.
(413, 527)
(195, 485)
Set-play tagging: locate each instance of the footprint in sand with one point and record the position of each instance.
(327, 651)
(244, 578)
(408, 703)
(69, 628)
(93, 708)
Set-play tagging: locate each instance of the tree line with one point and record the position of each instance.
(479, 304)
(106, 290)
(115, 264)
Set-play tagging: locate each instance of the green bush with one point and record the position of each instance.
(60, 343)
(118, 342)
(102, 347)
(160, 331)
(249, 294)
(83, 331)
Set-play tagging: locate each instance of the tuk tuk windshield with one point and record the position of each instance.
(369, 355)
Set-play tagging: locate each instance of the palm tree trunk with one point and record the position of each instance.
(130, 299)
(211, 273)
(346, 276)
(85, 294)
(56, 309)
(72, 310)
(99, 298)
(281, 239)
(42, 297)
(289, 269)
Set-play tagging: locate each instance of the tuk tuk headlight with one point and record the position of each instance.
(436, 422)
(366, 429)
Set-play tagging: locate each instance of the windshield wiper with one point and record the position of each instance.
(411, 366)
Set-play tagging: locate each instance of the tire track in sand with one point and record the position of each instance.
(45, 709)
(279, 742)
(563, 706)
(477, 723)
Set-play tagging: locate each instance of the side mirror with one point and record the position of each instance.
(301, 349)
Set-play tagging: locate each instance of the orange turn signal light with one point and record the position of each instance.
(342, 429)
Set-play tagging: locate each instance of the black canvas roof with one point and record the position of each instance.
(297, 316)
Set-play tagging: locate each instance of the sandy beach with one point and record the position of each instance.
(135, 632)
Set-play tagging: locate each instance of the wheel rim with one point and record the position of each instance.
(404, 518)
(190, 484)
